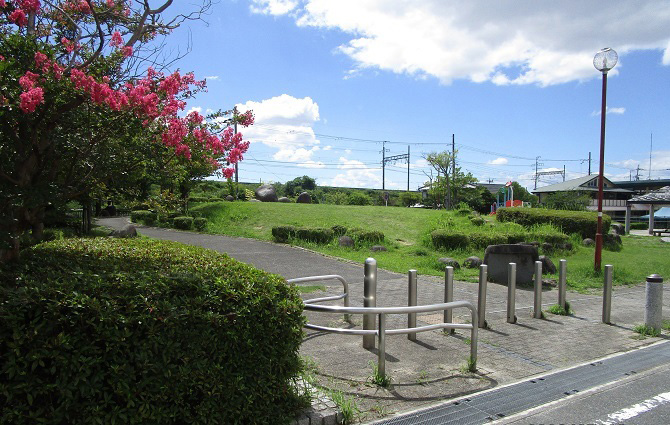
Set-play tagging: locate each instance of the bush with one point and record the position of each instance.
(143, 217)
(198, 199)
(359, 198)
(283, 234)
(463, 209)
(317, 235)
(582, 222)
(482, 240)
(477, 220)
(183, 223)
(408, 199)
(144, 331)
(449, 240)
(366, 236)
(339, 230)
(200, 223)
(639, 226)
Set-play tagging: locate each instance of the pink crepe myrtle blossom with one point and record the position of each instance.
(127, 51)
(28, 80)
(116, 40)
(228, 172)
(29, 6)
(31, 98)
(18, 16)
(69, 45)
(3, 4)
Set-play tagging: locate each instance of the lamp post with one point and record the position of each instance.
(603, 61)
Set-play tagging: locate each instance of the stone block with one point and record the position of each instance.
(497, 258)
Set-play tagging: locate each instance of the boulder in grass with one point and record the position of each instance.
(304, 198)
(588, 242)
(548, 266)
(377, 248)
(449, 262)
(498, 257)
(618, 228)
(266, 193)
(284, 199)
(472, 262)
(230, 198)
(127, 232)
(345, 241)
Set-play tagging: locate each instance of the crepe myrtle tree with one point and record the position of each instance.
(84, 93)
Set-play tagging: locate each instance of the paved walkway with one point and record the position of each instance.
(429, 370)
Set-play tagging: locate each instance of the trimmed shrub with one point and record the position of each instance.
(144, 331)
(449, 240)
(339, 230)
(639, 226)
(283, 233)
(182, 222)
(482, 240)
(477, 220)
(581, 222)
(463, 209)
(198, 199)
(318, 235)
(143, 217)
(200, 223)
(366, 236)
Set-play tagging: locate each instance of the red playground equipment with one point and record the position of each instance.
(508, 201)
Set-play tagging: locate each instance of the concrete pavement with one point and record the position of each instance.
(430, 370)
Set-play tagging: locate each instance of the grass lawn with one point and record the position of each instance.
(407, 233)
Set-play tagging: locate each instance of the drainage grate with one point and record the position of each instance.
(493, 405)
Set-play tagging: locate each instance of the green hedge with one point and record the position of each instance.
(200, 223)
(581, 222)
(639, 226)
(144, 331)
(317, 235)
(183, 223)
(339, 230)
(283, 234)
(448, 239)
(143, 217)
(366, 236)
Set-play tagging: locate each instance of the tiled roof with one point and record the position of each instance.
(660, 196)
(578, 184)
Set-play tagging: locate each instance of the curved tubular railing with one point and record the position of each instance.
(381, 332)
(345, 286)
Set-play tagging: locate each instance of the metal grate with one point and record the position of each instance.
(492, 405)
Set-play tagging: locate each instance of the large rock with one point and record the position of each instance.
(449, 262)
(230, 198)
(284, 199)
(472, 262)
(377, 248)
(618, 228)
(304, 198)
(498, 257)
(612, 239)
(127, 232)
(588, 242)
(266, 193)
(548, 266)
(665, 240)
(345, 241)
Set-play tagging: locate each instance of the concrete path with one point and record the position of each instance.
(430, 370)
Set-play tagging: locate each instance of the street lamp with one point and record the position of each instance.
(603, 61)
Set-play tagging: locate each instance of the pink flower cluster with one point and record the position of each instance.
(246, 119)
(31, 98)
(80, 6)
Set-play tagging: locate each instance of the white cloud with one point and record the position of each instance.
(505, 42)
(273, 7)
(327, 148)
(356, 174)
(285, 123)
(197, 109)
(347, 151)
(615, 111)
(212, 78)
(498, 161)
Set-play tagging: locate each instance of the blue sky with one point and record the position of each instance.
(513, 80)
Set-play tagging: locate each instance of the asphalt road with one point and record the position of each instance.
(640, 399)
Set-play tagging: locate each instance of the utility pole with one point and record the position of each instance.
(637, 174)
(408, 168)
(563, 172)
(453, 167)
(383, 165)
(537, 164)
(589, 163)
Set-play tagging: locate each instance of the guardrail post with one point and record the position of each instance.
(511, 293)
(562, 279)
(381, 353)
(474, 339)
(448, 294)
(607, 294)
(411, 301)
(537, 304)
(481, 299)
(653, 311)
(369, 299)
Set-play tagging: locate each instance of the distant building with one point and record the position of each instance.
(614, 196)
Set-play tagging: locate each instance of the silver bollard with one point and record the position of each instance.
(653, 306)
(511, 293)
(607, 294)
(537, 304)
(562, 279)
(448, 294)
(481, 299)
(381, 354)
(411, 301)
(369, 299)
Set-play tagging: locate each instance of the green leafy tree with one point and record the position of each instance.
(573, 201)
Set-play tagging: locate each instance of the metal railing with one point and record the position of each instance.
(381, 312)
